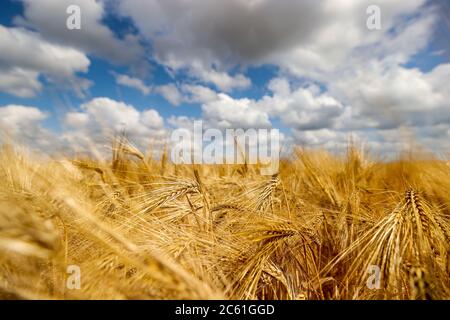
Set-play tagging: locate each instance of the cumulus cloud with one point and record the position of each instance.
(182, 122)
(171, 93)
(302, 37)
(24, 125)
(208, 31)
(302, 108)
(198, 44)
(393, 97)
(100, 119)
(20, 70)
(17, 117)
(222, 80)
(16, 44)
(343, 42)
(188, 93)
(227, 112)
(174, 94)
(327, 138)
(198, 94)
(132, 82)
(91, 128)
(19, 82)
(94, 37)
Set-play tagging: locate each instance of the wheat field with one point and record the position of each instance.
(139, 227)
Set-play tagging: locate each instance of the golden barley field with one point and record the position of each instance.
(138, 227)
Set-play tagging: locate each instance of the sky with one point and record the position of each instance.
(312, 69)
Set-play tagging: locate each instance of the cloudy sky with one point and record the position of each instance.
(310, 68)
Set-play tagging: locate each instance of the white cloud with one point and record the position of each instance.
(389, 98)
(190, 93)
(15, 116)
(102, 118)
(23, 124)
(192, 44)
(24, 55)
(322, 138)
(222, 80)
(152, 119)
(49, 18)
(28, 50)
(171, 93)
(342, 42)
(303, 108)
(78, 120)
(226, 112)
(89, 129)
(198, 93)
(19, 82)
(211, 31)
(303, 37)
(187, 92)
(131, 82)
(183, 122)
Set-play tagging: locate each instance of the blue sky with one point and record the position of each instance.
(315, 71)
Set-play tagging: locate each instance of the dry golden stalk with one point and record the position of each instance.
(310, 232)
